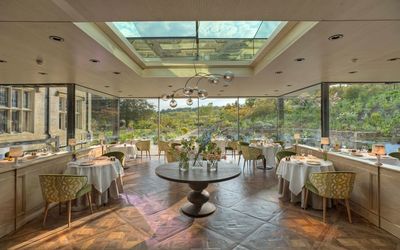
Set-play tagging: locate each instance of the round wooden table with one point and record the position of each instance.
(198, 180)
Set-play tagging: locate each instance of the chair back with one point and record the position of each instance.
(143, 145)
(163, 146)
(282, 154)
(395, 155)
(172, 154)
(250, 153)
(282, 143)
(334, 185)
(119, 155)
(232, 144)
(61, 188)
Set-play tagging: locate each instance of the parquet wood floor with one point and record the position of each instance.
(249, 216)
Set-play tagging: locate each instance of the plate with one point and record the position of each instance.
(86, 163)
(311, 162)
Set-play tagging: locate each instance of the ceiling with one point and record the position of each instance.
(371, 32)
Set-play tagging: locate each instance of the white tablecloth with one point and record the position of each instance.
(269, 151)
(297, 171)
(129, 150)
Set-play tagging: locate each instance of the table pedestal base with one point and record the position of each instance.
(198, 205)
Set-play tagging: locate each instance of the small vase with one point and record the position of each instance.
(183, 165)
(212, 166)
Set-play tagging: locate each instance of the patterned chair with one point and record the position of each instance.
(282, 143)
(331, 185)
(240, 152)
(251, 154)
(64, 188)
(395, 154)
(143, 146)
(119, 155)
(232, 146)
(163, 146)
(172, 154)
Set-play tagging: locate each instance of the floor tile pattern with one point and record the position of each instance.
(249, 215)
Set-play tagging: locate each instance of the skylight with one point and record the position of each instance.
(186, 41)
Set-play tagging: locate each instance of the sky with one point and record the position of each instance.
(207, 29)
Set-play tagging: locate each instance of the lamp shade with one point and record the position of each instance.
(379, 149)
(324, 140)
(16, 152)
(297, 136)
(71, 142)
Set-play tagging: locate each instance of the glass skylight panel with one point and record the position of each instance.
(218, 41)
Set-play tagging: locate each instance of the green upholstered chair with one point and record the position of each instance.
(163, 146)
(395, 154)
(232, 146)
(143, 146)
(172, 154)
(119, 155)
(64, 188)
(331, 185)
(251, 155)
(240, 152)
(282, 143)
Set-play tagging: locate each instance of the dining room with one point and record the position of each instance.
(263, 125)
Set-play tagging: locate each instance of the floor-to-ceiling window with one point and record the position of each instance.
(302, 114)
(365, 114)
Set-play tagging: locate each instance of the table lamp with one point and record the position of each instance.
(16, 152)
(378, 150)
(324, 143)
(297, 138)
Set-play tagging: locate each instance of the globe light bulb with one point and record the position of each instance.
(203, 94)
(173, 103)
(228, 76)
(188, 91)
(189, 101)
(213, 80)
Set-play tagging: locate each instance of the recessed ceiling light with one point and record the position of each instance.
(42, 73)
(278, 72)
(170, 86)
(289, 85)
(393, 59)
(354, 60)
(56, 38)
(94, 60)
(353, 72)
(106, 86)
(300, 59)
(335, 37)
(116, 73)
(3, 61)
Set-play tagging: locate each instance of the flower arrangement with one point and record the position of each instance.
(185, 151)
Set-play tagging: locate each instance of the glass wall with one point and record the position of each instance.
(220, 113)
(302, 114)
(258, 118)
(365, 114)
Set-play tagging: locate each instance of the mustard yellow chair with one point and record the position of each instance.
(143, 146)
(172, 154)
(331, 185)
(64, 188)
(251, 155)
(232, 146)
(163, 146)
(395, 154)
(240, 152)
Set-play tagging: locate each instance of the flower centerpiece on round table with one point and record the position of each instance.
(186, 150)
(212, 154)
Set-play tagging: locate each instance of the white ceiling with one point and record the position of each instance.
(371, 42)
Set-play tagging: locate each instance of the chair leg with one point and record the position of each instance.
(89, 197)
(348, 209)
(306, 199)
(69, 213)
(46, 209)
(324, 209)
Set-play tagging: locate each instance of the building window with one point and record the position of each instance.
(16, 110)
(62, 118)
(78, 114)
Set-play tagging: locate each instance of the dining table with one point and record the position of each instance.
(269, 151)
(130, 150)
(293, 172)
(198, 178)
(103, 173)
(385, 159)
